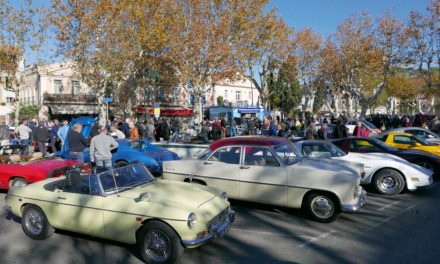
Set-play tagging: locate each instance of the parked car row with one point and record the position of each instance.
(190, 206)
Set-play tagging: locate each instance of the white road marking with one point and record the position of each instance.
(313, 239)
(388, 206)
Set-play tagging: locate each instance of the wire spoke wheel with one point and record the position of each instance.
(157, 245)
(34, 221)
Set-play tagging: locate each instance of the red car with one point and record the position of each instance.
(19, 170)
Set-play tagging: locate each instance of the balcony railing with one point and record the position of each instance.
(69, 98)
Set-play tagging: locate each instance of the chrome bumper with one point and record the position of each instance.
(355, 207)
(217, 232)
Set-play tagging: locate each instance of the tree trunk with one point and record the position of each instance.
(364, 107)
(102, 109)
(337, 98)
(17, 113)
(348, 105)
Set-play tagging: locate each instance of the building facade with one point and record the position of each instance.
(57, 90)
(6, 101)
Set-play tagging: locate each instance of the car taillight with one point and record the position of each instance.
(86, 170)
(58, 174)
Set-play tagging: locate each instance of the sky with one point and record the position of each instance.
(324, 16)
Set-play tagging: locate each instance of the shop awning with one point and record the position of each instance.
(167, 112)
(73, 109)
(249, 110)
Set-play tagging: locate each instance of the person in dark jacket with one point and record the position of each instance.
(322, 132)
(251, 127)
(340, 130)
(53, 135)
(204, 131)
(125, 128)
(165, 130)
(311, 132)
(41, 135)
(77, 143)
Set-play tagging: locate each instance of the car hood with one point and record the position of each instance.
(433, 140)
(181, 195)
(323, 165)
(51, 164)
(161, 155)
(373, 156)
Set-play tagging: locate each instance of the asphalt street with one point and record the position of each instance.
(400, 229)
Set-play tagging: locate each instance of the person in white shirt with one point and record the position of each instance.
(24, 133)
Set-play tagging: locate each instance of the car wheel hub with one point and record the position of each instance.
(388, 183)
(157, 246)
(34, 222)
(322, 207)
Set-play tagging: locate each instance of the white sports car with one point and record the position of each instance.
(388, 173)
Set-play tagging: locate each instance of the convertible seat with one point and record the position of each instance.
(14, 158)
(4, 159)
(36, 155)
(25, 157)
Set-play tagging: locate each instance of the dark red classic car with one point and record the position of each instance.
(19, 170)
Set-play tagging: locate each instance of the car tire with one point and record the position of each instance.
(35, 224)
(389, 182)
(121, 163)
(158, 243)
(322, 207)
(17, 182)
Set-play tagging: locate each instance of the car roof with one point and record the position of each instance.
(309, 142)
(397, 134)
(248, 140)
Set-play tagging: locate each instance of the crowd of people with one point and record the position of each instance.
(48, 137)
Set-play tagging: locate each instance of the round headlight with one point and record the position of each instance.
(224, 195)
(191, 220)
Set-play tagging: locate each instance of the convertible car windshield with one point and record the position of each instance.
(124, 178)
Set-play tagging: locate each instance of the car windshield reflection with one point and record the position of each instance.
(287, 153)
(124, 178)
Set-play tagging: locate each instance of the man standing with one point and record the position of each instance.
(251, 126)
(62, 132)
(24, 133)
(165, 130)
(101, 146)
(54, 135)
(41, 134)
(4, 134)
(77, 143)
(134, 132)
(322, 132)
(340, 131)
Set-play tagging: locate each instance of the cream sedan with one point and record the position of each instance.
(270, 170)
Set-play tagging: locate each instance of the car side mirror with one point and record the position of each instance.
(417, 144)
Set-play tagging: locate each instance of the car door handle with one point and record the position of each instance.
(207, 163)
(61, 198)
(244, 167)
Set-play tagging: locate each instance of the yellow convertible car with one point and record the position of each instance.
(408, 141)
(127, 205)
